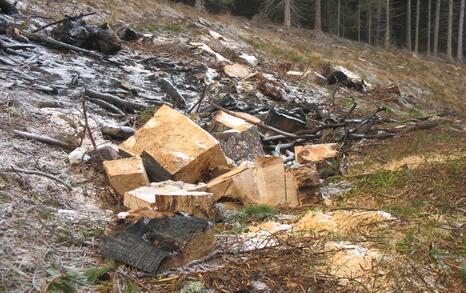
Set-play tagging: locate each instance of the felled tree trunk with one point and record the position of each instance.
(160, 244)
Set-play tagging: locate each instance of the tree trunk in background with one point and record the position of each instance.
(408, 27)
(416, 45)
(338, 17)
(450, 30)
(199, 5)
(387, 23)
(318, 17)
(370, 24)
(437, 26)
(459, 54)
(379, 16)
(359, 21)
(429, 31)
(287, 14)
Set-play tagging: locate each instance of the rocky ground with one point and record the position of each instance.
(392, 220)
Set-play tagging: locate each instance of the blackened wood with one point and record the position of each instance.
(114, 100)
(158, 244)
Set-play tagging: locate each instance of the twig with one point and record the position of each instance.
(39, 173)
(86, 121)
(218, 107)
(44, 139)
(198, 103)
(63, 20)
(353, 107)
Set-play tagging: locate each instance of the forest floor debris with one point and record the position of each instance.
(370, 223)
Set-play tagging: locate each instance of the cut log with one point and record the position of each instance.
(238, 184)
(126, 174)
(270, 180)
(170, 196)
(316, 152)
(241, 146)
(236, 70)
(303, 180)
(174, 147)
(160, 244)
(223, 121)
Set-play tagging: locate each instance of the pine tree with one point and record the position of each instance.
(429, 29)
(287, 14)
(459, 53)
(416, 45)
(408, 27)
(318, 17)
(437, 27)
(450, 30)
(387, 23)
(199, 5)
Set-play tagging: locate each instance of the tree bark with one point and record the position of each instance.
(387, 23)
(408, 27)
(338, 17)
(369, 33)
(318, 17)
(416, 45)
(379, 16)
(459, 53)
(450, 30)
(359, 21)
(199, 5)
(429, 29)
(287, 17)
(437, 26)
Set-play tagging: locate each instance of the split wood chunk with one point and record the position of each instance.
(303, 183)
(172, 197)
(126, 174)
(223, 121)
(241, 146)
(160, 244)
(315, 153)
(236, 70)
(174, 147)
(238, 184)
(292, 190)
(270, 180)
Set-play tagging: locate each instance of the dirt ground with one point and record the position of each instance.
(394, 221)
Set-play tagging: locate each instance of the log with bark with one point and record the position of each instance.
(129, 105)
(160, 244)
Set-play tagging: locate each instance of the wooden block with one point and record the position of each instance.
(223, 121)
(173, 146)
(316, 152)
(291, 191)
(170, 196)
(238, 184)
(270, 180)
(306, 175)
(126, 174)
(304, 178)
(160, 244)
(241, 146)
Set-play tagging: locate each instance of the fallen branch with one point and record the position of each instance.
(107, 106)
(57, 44)
(173, 93)
(260, 124)
(44, 139)
(39, 173)
(63, 20)
(114, 100)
